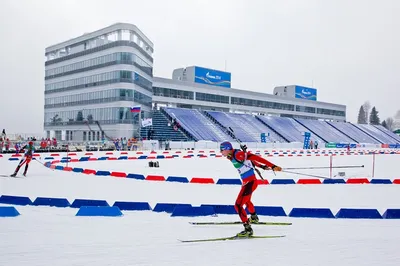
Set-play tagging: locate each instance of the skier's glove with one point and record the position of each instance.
(243, 147)
(265, 167)
(276, 168)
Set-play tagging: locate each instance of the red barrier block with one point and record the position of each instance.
(203, 156)
(89, 171)
(118, 174)
(317, 154)
(16, 155)
(357, 181)
(153, 152)
(151, 157)
(190, 152)
(187, 157)
(112, 158)
(308, 181)
(139, 152)
(201, 151)
(124, 152)
(92, 159)
(74, 160)
(262, 182)
(68, 169)
(281, 155)
(56, 161)
(36, 155)
(54, 154)
(169, 157)
(165, 152)
(396, 181)
(290, 155)
(88, 153)
(201, 180)
(71, 154)
(218, 155)
(132, 158)
(1, 156)
(211, 151)
(52, 167)
(109, 153)
(178, 152)
(155, 178)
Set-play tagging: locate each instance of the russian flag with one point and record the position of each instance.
(135, 109)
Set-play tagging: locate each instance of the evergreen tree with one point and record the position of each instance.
(361, 116)
(384, 124)
(373, 117)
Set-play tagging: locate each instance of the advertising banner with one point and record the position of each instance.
(212, 77)
(306, 93)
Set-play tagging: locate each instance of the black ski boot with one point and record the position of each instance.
(254, 219)
(247, 232)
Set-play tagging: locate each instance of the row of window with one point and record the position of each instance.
(101, 61)
(99, 97)
(172, 93)
(330, 112)
(262, 104)
(100, 79)
(116, 114)
(212, 98)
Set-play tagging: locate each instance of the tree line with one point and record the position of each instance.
(366, 115)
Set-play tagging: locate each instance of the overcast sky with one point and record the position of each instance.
(349, 50)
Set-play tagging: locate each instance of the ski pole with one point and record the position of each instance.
(324, 167)
(297, 173)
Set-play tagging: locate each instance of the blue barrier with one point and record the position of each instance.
(49, 158)
(168, 207)
(177, 179)
(311, 213)
(59, 167)
(88, 202)
(193, 211)
(77, 170)
(359, 214)
(282, 182)
(13, 159)
(229, 181)
(160, 157)
(132, 206)
(103, 173)
(99, 211)
(123, 158)
(15, 200)
(391, 214)
(52, 202)
(141, 157)
(380, 181)
(136, 176)
(104, 158)
(270, 210)
(334, 181)
(66, 158)
(84, 159)
(64, 161)
(8, 211)
(221, 209)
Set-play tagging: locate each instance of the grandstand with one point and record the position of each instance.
(213, 126)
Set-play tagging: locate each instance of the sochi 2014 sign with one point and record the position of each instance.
(212, 77)
(306, 93)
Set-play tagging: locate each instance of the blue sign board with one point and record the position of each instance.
(306, 93)
(212, 77)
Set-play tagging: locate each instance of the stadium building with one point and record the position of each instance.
(101, 85)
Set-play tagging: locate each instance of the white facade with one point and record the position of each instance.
(98, 76)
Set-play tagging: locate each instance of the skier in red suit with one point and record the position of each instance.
(29, 150)
(245, 162)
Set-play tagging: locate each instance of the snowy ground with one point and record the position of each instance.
(54, 236)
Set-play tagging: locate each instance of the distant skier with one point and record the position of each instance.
(243, 162)
(28, 150)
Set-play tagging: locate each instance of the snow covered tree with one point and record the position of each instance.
(361, 116)
(389, 123)
(384, 124)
